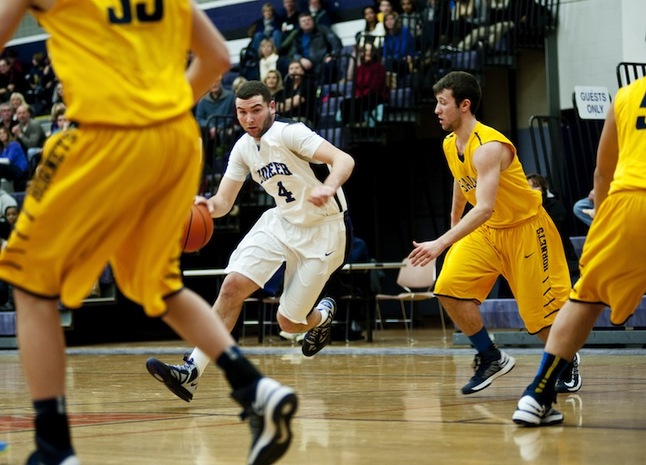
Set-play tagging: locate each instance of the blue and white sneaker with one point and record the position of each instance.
(317, 338)
(181, 380)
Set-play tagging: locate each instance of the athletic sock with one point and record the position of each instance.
(200, 360)
(481, 341)
(239, 371)
(52, 430)
(548, 373)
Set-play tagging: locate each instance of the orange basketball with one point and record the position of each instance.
(198, 229)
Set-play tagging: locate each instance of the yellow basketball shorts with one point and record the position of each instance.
(104, 194)
(529, 255)
(613, 261)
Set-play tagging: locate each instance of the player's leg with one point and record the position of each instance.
(267, 404)
(182, 379)
(315, 254)
(470, 270)
(38, 327)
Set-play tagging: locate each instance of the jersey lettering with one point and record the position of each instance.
(140, 12)
(272, 169)
(641, 120)
(283, 192)
(467, 183)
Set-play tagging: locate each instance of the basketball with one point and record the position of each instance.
(198, 229)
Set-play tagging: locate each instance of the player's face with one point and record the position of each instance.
(255, 115)
(447, 110)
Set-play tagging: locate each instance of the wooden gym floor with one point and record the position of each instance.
(389, 402)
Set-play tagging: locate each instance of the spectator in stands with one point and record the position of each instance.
(274, 82)
(385, 7)
(411, 18)
(267, 27)
(399, 46)
(6, 200)
(13, 161)
(373, 31)
(16, 99)
(8, 220)
(369, 89)
(237, 82)
(317, 48)
(558, 213)
(40, 82)
(7, 114)
(29, 132)
(218, 102)
(11, 80)
(436, 17)
(584, 209)
(467, 15)
(300, 96)
(319, 13)
(59, 120)
(289, 26)
(57, 95)
(268, 57)
(499, 21)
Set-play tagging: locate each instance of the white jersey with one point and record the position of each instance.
(283, 165)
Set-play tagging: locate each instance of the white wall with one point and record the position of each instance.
(593, 37)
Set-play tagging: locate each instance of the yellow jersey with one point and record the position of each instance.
(630, 115)
(515, 200)
(108, 56)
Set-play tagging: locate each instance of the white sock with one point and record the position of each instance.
(201, 360)
(324, 314)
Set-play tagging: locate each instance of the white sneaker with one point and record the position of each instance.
(531, 412)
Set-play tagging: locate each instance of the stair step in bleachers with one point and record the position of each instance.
(501, 315)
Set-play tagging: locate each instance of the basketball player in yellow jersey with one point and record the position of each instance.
(613, 261)
(507, 232)
(123, 65)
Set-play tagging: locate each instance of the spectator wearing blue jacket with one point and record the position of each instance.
(399, 45)
(13, 160)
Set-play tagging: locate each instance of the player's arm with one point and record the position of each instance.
(607, 155)
(210, 55)
(342, 165)
(489, 160)
(11, 13)
(222, 202)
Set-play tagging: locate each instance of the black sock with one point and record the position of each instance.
(52, 429)
(239, 371)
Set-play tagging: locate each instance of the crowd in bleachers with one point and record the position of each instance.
(404, 46)
(346, 91)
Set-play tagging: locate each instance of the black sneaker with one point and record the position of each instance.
(488, 366)
(181, 380)
(533, 412)
(570, 380)
(53, 457)
(270, 414)
(319, 337)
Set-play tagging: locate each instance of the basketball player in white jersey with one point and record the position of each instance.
(308, 230)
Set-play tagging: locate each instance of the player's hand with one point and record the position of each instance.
(425, 252)
(591, 212)
(320, 194)
(199, 199)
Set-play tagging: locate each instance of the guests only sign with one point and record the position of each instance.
(592, 102)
